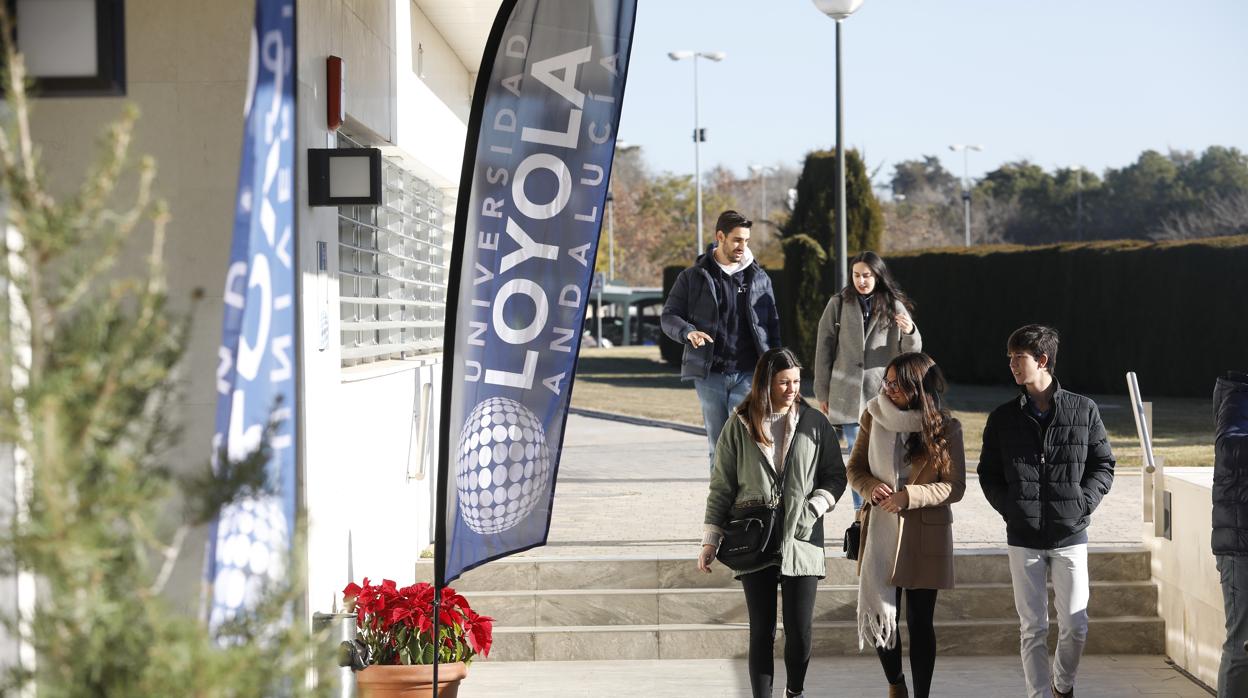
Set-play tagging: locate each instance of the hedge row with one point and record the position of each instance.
(1173, 312)
(1176, 313)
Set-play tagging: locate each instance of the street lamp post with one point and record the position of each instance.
(610, 235)
(1079, 204)
(839, 10)
(966, 185)
(762, 171)
(698, 135)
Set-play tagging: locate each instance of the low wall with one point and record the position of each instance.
(1189, 592)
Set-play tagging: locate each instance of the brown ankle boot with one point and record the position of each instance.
(898, 690)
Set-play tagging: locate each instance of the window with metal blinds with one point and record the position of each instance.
(392, 270)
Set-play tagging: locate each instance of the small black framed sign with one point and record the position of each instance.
(72, 48)
(344, 176)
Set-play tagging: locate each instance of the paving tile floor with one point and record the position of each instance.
(627, 490)
(1104, 676)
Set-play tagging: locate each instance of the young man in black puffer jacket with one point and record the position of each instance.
(1230, 525)
(1045, 466)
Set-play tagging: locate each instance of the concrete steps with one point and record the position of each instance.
(663, 608)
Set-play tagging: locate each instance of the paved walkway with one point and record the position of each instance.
(627, 490)
(859, 677)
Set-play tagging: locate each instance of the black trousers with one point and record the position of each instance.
(920, 608)
(798, 597)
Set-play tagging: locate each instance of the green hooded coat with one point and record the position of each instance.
(813, 468)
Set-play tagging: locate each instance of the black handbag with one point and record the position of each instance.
(853, 534)
(853, 539)
(751, 536)
(752, 533)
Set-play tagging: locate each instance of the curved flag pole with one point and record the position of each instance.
(537, 163)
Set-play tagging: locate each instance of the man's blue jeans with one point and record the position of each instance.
(719, 393)
(1233, 672)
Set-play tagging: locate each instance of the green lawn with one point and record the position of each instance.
(634, 381)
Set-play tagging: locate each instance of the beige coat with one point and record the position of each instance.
(924, 555)
(850, 359)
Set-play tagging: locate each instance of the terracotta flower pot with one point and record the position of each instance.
(414, 681)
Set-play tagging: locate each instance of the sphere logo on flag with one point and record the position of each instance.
(503, 465)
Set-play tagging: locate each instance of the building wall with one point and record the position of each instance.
(186, 64)
(187, 60)
(1190, 593)
(369, 464)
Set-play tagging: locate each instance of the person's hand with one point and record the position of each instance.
(705, 558)
(905, 324)
(697, 338)
(823, 406)
(881, 492)
(896, 502)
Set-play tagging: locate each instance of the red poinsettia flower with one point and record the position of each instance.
(384, 610)
(480, 631)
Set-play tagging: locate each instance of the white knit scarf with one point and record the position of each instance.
(877, 597)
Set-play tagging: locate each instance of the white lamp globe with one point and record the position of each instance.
(838, 9)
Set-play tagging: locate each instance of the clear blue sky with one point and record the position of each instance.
(1060, 83)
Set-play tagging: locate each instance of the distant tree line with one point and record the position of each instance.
(1179, 195)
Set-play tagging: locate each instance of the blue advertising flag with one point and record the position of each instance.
(537, 163)
(250, 541)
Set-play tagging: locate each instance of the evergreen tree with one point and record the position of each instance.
(802, 306)
(87, 357)
(814, 212)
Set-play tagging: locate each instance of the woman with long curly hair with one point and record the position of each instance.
(909, 465)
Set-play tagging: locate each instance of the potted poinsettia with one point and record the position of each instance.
(394, 648)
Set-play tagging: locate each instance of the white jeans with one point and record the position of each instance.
(1029, 570)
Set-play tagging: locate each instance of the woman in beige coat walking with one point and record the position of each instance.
(909, 464)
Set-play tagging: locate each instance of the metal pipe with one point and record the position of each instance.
(697, 155)
(841, 235)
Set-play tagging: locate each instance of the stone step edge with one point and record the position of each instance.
(1125, 548)
(735, 627)
(677, 591)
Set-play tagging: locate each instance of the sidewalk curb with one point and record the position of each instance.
(638, 421)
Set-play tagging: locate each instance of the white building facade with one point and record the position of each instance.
(372, 317)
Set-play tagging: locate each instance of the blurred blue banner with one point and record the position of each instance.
(250, 542)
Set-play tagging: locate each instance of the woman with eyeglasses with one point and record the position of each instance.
(863, 327)
(909, 466)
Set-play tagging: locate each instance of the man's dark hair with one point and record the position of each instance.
(731, 220)
(1036, 340)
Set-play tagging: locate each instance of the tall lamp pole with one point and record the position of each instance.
(698, 134)
(762, 171)
(610, 235)
(839, 10)
(966, 185)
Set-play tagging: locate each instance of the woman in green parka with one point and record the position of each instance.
(777, 450)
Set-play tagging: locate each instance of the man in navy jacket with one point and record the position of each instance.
(723, 310)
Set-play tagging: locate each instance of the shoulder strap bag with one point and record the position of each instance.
(752, 533)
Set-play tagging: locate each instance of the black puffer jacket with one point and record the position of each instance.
(1230, 465)
(1046, 487)
(693, 304)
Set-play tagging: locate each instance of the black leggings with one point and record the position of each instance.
(798, 597)
(920, 607)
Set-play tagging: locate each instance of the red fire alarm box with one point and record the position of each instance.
(336, 74)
